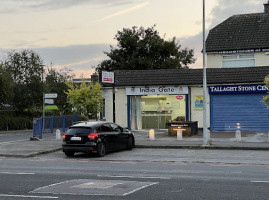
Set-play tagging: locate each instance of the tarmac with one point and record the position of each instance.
(21, 144)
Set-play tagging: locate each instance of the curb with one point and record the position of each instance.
(32, 154)
(204, 147)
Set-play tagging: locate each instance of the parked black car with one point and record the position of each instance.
(99, 137)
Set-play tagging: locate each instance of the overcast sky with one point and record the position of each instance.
(75, 33)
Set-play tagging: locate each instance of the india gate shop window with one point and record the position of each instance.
(154, 111)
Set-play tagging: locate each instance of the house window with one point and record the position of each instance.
(243, 60)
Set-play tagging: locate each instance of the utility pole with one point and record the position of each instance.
(205, 131)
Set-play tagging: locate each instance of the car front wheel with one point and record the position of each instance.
(101, 150)
(130, 143)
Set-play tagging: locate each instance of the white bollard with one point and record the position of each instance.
(179, 135)
(238, 136)
(58, 134)
(151, 134)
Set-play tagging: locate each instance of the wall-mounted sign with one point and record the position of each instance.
(107, 77)
(199, 102)
(244, 51)
(155, 90)
(238, 89)
(179, 97)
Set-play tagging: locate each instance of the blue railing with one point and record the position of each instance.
(52, 123)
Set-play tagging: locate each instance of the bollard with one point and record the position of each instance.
(58, 134)
(179, 135)
(151, 134)
(268, 136)
(238, 136)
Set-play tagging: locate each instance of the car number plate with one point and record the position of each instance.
(76, 138)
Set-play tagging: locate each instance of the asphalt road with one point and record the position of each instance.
(55, 176)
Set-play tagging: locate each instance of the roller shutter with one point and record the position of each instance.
(231, 111)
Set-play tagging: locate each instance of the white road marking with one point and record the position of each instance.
(259, 181)
(26, 196)
(18, 173)
(140, 188)
(13, 141)
(142, 177)
(49, 186)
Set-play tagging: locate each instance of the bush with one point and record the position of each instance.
(9, 122)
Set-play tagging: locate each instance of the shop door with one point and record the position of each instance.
(238, 111)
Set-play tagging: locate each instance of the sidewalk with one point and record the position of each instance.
(23, 147)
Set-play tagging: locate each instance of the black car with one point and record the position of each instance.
(99, 137)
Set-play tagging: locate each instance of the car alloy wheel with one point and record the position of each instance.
(101, 150)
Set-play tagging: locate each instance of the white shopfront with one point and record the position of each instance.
(154, 106)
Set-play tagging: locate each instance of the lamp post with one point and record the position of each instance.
(205, 131)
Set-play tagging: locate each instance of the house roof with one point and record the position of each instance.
(240, 32)
(191, 76)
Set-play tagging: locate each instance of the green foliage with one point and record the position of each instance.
(26, 68)
(6, 86)
(143, 49)
(86, 98)
(266, 98)
(55, 83)
(8, 121)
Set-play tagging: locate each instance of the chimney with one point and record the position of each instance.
(94, 77)
(266, 7)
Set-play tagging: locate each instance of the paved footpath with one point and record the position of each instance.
(18, 143)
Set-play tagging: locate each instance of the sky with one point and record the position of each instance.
(76, 33)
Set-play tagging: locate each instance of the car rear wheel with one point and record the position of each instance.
(101, 150)
(69, 154)
(130, 143)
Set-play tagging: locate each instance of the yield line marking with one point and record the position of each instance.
(26, 196)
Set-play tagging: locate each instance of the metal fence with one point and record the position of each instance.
(52, 123)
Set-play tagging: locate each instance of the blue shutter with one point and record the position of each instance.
(231, 111)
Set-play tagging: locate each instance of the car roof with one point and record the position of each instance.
(88, 124)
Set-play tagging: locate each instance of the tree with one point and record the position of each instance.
(143, 49)
(26, 68)
(55, 82)
(266, 98)
(87, 98)
(6, 87)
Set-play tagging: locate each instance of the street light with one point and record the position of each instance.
(205, 131)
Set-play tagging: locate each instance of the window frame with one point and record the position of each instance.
(237, 59)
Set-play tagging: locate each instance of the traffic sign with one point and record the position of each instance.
(51, 96)
(49, 101)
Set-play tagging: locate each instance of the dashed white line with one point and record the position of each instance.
(141, 177)
(18, 173)
(13, 141)
(259, 181)
(28, 196)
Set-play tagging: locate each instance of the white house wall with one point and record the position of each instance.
(121, 107)
(262, 59)
(197, 114)
(108, 104)
(215, 60)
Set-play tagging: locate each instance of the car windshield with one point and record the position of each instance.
(73, 131)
